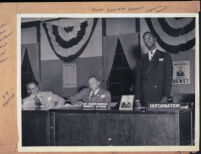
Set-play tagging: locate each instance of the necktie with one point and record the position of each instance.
(38, 101)
(92, 95)
(40, 98)
(151, 56)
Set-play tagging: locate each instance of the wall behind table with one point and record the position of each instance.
(29, 35)
(89, 63)
(117, 26)
(51, 74)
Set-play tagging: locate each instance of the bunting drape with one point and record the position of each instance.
(173, 34)
(69, 42)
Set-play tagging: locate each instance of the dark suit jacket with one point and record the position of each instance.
(180, 73)
(103, 96)
(124, 105)
(154, 79)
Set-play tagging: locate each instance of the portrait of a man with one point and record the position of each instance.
(180, 72)
(126, 102)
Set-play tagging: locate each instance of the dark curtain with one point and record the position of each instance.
(109, 49)
(130, 45)
(34, 58)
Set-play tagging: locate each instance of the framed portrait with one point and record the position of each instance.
(126, 103)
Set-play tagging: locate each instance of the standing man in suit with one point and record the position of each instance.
(93, 94)
(154, 74)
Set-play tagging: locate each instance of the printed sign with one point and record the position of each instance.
(69, 76)
(181, 72)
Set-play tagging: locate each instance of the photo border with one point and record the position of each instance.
(107, 148)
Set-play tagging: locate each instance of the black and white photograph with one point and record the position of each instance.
(91, 82)
(126, 102)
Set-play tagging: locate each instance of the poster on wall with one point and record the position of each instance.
(181, 72)
(69, 75)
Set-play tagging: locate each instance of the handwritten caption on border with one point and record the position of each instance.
(4, 35)
(156, 9)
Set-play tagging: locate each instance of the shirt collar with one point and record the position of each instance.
(96, 91)
(153, 51)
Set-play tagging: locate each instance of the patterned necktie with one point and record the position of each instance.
(92, 95)
(151, 56)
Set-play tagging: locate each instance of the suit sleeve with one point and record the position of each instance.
(168, 75)
(27, 102)
(137, 81)
(77, 97)
(108, 97)
(59, 100)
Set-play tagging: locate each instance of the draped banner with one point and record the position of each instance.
(70, 41)
(173, 34)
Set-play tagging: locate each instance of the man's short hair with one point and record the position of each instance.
(149, 32)
(95, 77)
(35, 82)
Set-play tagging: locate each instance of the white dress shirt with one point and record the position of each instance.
(47, 99)
(94, 92)
(151, 54)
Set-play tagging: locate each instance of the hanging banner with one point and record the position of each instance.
(68, 42)
(174, 35)
(181, 72)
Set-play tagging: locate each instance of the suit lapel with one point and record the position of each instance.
(153, 62)
(145, 63)
(88, 94)
(99, 92)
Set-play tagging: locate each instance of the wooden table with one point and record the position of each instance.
(60, 127)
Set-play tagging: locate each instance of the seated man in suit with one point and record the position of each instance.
(39, 98)
(93, 94)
